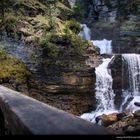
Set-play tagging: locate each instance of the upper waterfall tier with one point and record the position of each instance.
(104, 45)
(86, 33)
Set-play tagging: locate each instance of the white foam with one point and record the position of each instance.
(104, 92)
(86, 33)
(104, 45)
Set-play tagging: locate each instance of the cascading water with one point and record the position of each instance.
(104, 92)
(86, 33)
(133, 64)
(72, 2)
(104, 45)
(131, 70)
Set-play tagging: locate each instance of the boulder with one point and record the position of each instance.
(137, 104)
(107, 120)
(137, 113)
(128, 124)
(116, 71)
(121, 115)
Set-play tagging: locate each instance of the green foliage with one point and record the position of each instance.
(53, 12)
(11, 69)
(10, 24)
(49, 48)
(78, 12)
(76, 43)
(74, 26)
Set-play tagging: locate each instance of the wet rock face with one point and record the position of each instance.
(108, 10)
(67, 82)
(69, 91)
(99, 10)
(116, 71)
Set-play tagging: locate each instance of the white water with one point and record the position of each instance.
(104, 92)
(72, 2)
(132, 63)
(104, 45)
(86, 33)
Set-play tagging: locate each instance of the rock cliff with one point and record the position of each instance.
(114, 20)
(44, 36)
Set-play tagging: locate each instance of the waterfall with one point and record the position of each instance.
(133, 67)
(72, 2)
(104, 45)
(131, 72)
(104, 92)
(86, 33)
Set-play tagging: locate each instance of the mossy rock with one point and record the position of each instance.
(12, 71)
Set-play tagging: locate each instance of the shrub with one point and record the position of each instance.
(75, 42)
(10, 25)
(78, 44)
(74, 26)
(49, 48)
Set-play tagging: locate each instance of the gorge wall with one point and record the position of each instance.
(114, 20)
(41, 38)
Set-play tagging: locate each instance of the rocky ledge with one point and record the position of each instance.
(122, 123)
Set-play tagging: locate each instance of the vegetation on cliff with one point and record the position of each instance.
(12, 72)
(46, 23)
(50, 27)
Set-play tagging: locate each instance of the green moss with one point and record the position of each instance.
(74, 26)
(50, 49)
(10, 24)
(11, 70)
